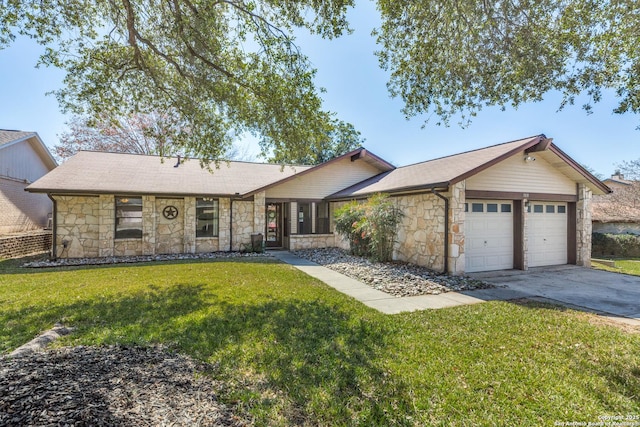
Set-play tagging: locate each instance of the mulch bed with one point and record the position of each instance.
(110, 386)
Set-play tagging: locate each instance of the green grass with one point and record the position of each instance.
(625, 266)
(295, 352)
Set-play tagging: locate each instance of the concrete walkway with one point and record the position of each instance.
(389, 304)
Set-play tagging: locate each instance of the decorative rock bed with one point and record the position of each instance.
(110, 386)
(67, 262)
(395, 278)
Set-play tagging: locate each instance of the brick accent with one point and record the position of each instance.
(29, 243)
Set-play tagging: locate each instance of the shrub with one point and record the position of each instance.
(615, 245)
(370, 227)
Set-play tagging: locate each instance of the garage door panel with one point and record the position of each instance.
(488, 236)
(547, 234)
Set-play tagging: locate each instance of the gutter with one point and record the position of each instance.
(446, 229)
(54, 228)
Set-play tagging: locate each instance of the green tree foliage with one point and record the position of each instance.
(452, 57)
(340, 138)
(225, 67)
(370, 226)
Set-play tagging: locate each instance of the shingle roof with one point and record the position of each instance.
(438, 172)
(620, 206)
(90, 172)
(7, 136)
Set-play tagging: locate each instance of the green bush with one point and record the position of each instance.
(615, 245)
(370, 227)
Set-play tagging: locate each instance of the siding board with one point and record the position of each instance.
(325, 181)
(516, 175)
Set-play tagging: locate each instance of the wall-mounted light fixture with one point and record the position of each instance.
(529, 159)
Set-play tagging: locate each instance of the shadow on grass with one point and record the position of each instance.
(295, 361)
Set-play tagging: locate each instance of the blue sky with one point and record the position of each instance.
(356, 91)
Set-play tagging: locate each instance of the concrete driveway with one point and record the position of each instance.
(598, 291)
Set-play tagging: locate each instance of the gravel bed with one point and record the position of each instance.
(65, 262)
(110, 386)
(395, 278)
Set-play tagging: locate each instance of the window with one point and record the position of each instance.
(492, 207)
(128, 218)
(207, 217)
(304, 218)
(505, 208)
(537, 209)
(477, 207)
(551, 208)
(322, 218)
(562, 209)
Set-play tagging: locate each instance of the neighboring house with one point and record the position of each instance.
(23, 159)
(514, 205)
(618, 212)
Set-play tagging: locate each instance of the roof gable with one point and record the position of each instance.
(375, 165)
(9, 138)
(442, 172)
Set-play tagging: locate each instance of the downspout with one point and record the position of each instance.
(446, 229)
(54, 226)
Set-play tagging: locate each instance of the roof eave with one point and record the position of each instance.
(444, 186)
(580, 169)
(76, 192)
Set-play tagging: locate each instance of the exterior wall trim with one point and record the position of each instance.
(509, 195)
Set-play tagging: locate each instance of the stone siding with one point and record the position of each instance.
(107, 224)
(243, 217)
(456, 214)
(78, 226)
(583, 226)
(421, 233)
(86, 227)
(170, 234)
(22, 244)
(311, 241)
(126, 247)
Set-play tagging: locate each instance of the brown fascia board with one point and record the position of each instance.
(396, 191)
(498, 159)
(581, 170)
(359, 152)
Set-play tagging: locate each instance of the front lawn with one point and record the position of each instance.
(624, 265)
(296, 352)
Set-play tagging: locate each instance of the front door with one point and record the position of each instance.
(274, 225)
